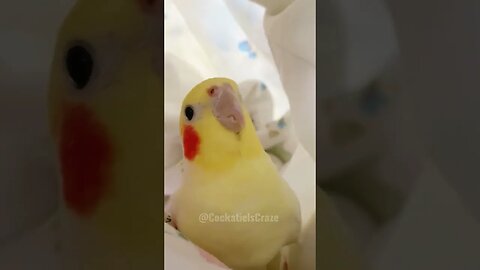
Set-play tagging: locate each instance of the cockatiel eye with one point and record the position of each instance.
(79, 64)
(189, 112)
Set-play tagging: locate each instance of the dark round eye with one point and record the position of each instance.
(79, 63)
(189, 113)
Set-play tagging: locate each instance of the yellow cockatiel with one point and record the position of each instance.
(233, 202)
(105, 104)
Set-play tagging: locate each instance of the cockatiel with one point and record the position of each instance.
(227, 173)
(105, 106)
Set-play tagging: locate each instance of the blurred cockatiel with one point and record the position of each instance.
(105, 106)
(227, 172)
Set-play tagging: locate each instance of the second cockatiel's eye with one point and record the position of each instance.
(79, 63)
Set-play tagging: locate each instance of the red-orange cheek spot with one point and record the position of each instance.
(86, 160)
(191, 142)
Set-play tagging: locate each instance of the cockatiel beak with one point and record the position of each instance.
(227, 108)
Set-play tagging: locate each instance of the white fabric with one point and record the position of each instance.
(292, 41)
(300, 175)
(357, 44)
(206, 35)
(180, 253)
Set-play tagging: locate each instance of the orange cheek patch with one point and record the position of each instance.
(191, 142)
(86, 160)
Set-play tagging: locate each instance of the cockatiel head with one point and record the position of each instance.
(216, 127)
(105, 105)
